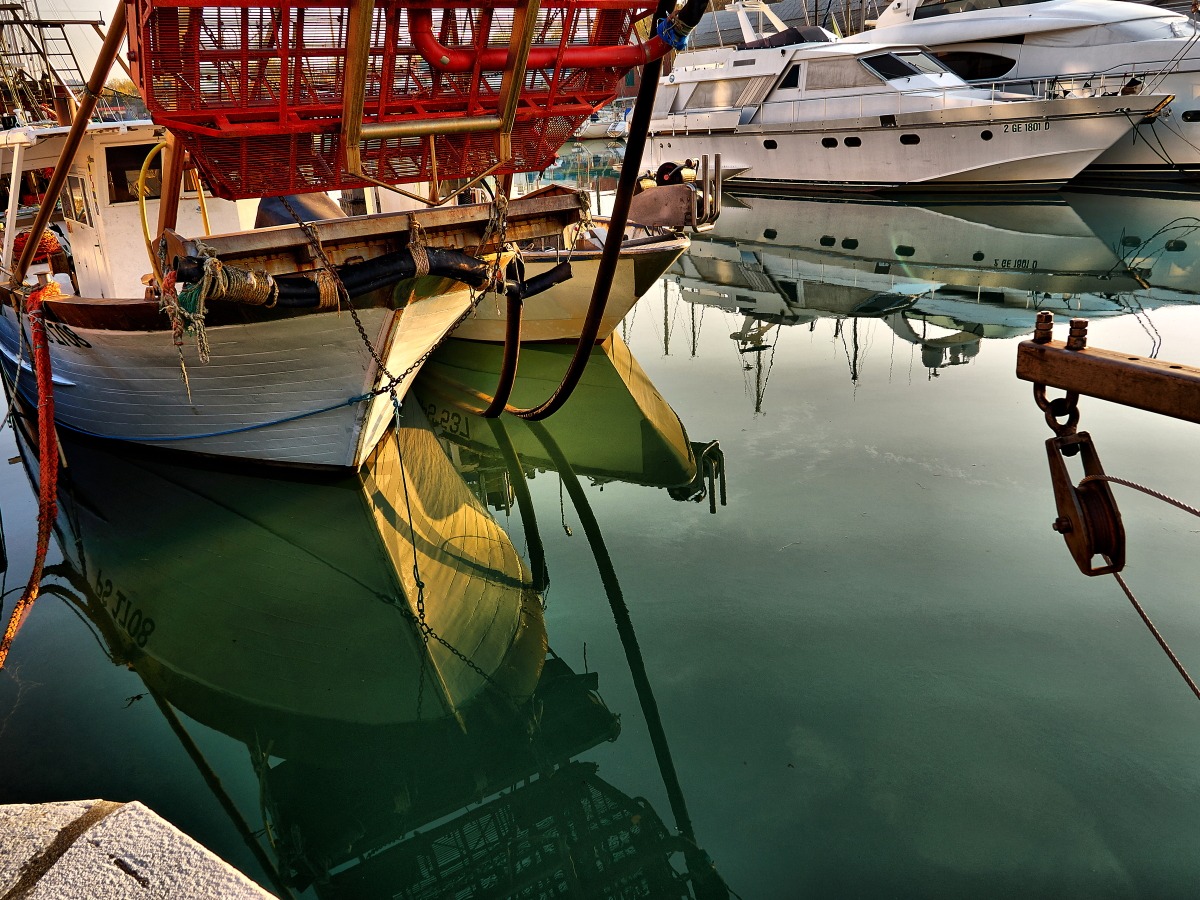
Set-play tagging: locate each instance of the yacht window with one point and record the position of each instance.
(1191, 115)
(124, 166)
(977, 66)
(831, 74)
(889, 65)
(791, 79)
(948, 7)
(924, 63)
(717, 94)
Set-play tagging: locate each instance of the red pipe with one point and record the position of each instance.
(493, 59)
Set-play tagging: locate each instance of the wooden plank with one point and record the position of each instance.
(449, 226)
(1155, 385)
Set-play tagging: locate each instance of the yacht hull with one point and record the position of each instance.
(1014, 145)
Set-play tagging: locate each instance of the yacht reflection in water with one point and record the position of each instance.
(942, 275)
(378, 646)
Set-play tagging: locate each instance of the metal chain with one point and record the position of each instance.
(584, 223)
(427, 630)
(1057, 408)
(391, 381)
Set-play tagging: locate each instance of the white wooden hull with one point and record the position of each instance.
(291, 390)
(1018, 145)
(558, 314)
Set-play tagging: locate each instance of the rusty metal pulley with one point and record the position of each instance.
(1088, 518)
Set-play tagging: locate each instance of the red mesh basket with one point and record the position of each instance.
(255, 91)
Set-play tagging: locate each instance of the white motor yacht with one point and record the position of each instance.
(1088, 47)
(786, 113)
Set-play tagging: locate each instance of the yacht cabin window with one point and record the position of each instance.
(831, 74)
(976, 66)
(948, 7)
(903, 65)
(717, 94)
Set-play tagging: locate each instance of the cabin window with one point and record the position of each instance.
(910, 139)
(905, 250)
(904, 65)
(791, 80)
(853, 142)
(976, 66)
(717, 94)
(770, 144)
(977, 256)
(986, 135)
(74, 201)
(124, 166)
(831, 74)
(1191, 115)
(849, 244)
(889, 65)
(828, 240)
(1175, 246)
(948, 7)
(829, 143)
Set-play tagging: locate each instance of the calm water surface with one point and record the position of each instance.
(877, 671)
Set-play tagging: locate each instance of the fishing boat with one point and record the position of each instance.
(647, 251)
(1082, 48)
(836, 115)
(306, 335)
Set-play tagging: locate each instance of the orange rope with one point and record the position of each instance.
(47, 245)
(48, 468)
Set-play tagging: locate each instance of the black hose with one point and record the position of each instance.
(297, 290)
(635, 144)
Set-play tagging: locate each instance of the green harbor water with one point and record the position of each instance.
(869, 669)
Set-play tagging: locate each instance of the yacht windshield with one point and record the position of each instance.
(947, 7)
(903, 65)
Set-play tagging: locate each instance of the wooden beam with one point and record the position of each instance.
(1155, 385)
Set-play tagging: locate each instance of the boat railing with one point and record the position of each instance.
(1094, 84)
(900, 101)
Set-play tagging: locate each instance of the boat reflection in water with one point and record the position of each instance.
(942, 275)
(643, 440)
(378, 646)
(1157, 236)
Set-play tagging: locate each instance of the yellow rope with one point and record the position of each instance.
(328, 290)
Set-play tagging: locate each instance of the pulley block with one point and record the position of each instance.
(1088, 518)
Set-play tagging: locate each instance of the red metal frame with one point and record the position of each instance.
(255, 90)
